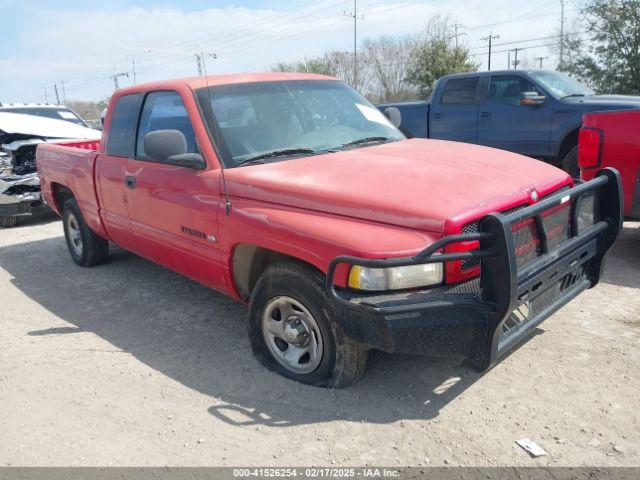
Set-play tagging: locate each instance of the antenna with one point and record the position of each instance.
(215, 133)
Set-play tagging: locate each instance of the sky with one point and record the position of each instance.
(81, 44)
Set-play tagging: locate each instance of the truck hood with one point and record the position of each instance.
(415, 183)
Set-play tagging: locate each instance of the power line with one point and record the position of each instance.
(527, 40)
(537, 12)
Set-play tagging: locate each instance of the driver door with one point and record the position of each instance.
(503, 122)
(173, 209)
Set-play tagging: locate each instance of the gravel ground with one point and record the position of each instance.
(130, 364)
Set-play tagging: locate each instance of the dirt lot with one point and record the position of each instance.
(130, 364)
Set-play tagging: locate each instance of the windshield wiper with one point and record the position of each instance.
(573, 95)
(365, 140)
(275, 153)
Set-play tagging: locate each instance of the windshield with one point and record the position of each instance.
(560, 84)
(274, 121)
(57, 113)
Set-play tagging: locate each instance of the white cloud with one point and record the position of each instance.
(84, 48)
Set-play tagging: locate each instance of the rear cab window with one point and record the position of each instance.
(460, 91)
(123, 124)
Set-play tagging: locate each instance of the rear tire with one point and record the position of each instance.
(8, 222)
(290, 299)
(85, 247)
(570, 163)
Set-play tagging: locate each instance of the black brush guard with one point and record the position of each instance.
(482, 319)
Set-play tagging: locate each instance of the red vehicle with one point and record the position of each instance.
(293, 194)
(610, 139)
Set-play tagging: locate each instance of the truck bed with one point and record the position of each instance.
(72, 165)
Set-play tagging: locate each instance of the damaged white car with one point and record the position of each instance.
(19, 136)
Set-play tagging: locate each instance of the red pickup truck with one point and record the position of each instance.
(610, 139)
(293, 194)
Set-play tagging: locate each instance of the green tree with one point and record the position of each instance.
(318, 65)
(437, 54)
(609, 57)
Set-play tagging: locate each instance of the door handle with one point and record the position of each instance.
(485, 115)
(130, 182)
(438, 116)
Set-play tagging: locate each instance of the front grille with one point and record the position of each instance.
(555, 221)
(472, 227)
(557, 224)
(526, 241)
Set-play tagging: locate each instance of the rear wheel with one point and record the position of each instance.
(293, 330)
(8, 222)
(86, 248)
(570, 163)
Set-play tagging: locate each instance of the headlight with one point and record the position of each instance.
(586, 215)
(395, 278)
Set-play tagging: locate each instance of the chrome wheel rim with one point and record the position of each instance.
(292, 335)
(75, 237)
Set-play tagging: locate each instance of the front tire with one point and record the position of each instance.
(570, 163)
(8, 222)
(293, 330)
(85, 247)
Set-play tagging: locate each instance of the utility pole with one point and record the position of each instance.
(540, 59)
(456, 34)
(200, 61)
(515, 57)
(355, 17)
(509, 60)
(115, 77)
(46, 97)
(490, 37)
(55, 88)
(133, 69)
(561, 33)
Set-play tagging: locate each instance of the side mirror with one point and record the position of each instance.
(188, 160)
(532, 98)
(170, 146)
(394, 115)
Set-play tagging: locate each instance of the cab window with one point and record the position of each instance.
(164, 110)
(508, 88)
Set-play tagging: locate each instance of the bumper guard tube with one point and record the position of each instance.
(480, 320)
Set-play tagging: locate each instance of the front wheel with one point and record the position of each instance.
(293, 330)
